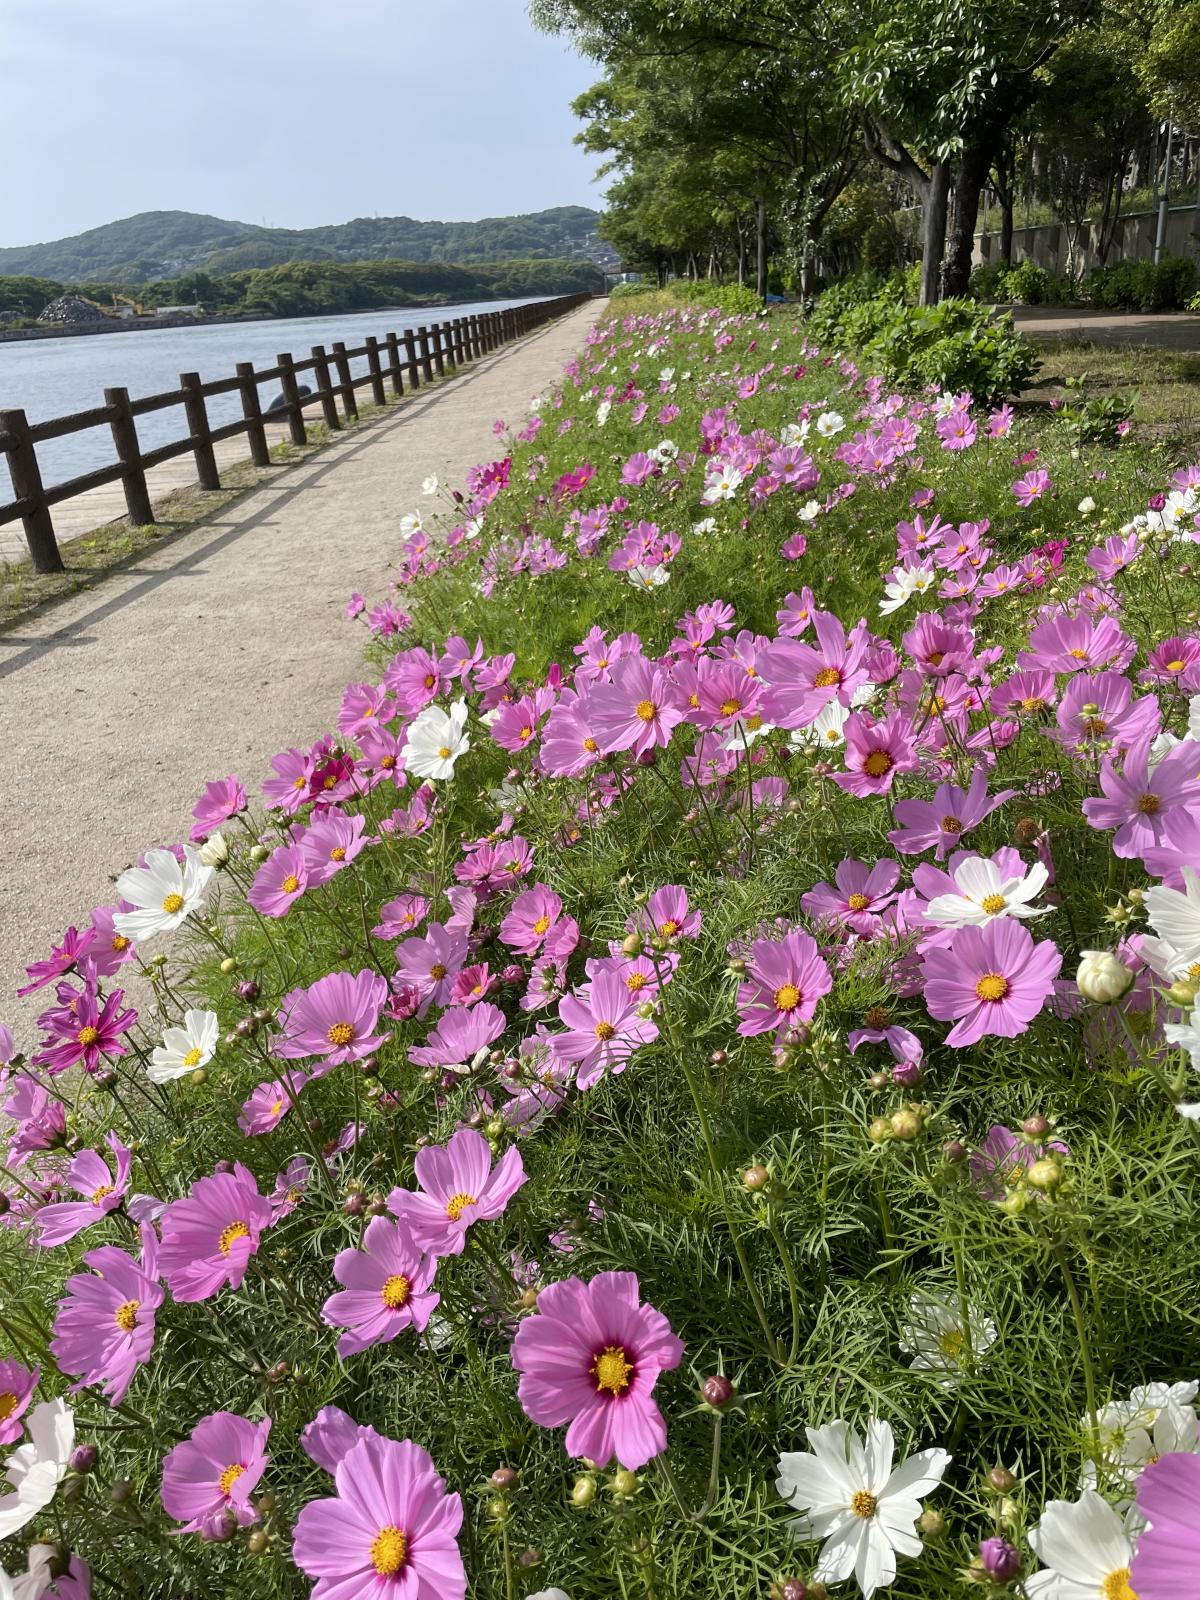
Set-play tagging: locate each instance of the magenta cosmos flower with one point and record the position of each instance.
(1032, 486)
(101, 1189)
(862, 893)
(590, 1357)
(390, 1532)
(785, 978)
(666, 915)
(875, 752)
(990, 980)
(1168, 1552)
(385, 1288)
(209, 1478)
(460, 1035)
(17, 1384)
(104, 1330)
(804, 678)
(604, 1028)
(209, 1237)
(1139, 800)
(336, 1018)
(84, 1032)
(635, 710)
(459, 1186)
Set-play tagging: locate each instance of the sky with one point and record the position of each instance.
(284, 112)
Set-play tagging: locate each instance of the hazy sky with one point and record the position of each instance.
(288, 112)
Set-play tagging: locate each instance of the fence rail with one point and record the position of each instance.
(413, 356)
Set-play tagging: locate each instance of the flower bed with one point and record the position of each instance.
(685, 1091)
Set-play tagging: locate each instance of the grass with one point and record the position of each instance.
(1164, 384)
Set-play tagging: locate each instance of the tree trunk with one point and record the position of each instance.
(973, 168)
(760, 243)
(933, 231)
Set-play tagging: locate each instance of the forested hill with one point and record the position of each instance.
(166, 244)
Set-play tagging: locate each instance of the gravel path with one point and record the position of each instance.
(208, 656)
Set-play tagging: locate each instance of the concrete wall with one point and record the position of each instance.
(1046, 244)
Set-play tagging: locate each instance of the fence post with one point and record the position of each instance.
(125, 440)
(26, 478)
(196, 412)
(447, 333)
(473, 340)
(461, 354)
(292, 403)
(378, 393)
(394, 372)
(256, 434)
(439, 360)
(426, 357)
(410, 351)
(345, 382)
(325, 393)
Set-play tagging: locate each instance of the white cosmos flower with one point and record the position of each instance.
(722, 484)
(1086, 506)
(902, 584)
(984, 893)
(944, 404)
(550, 1594)
(795, 433)
(185, 1049)
(1157, 1419)
(1175, 916)
(37, 1578)
(411, 523)
(809, 511)
(602, 411)
(666, 374)
(37, 1467)
(473, 527)
(745, 731)
(1185, 1036)
(648, 577)
(430, 484)
(935, 1337)
(436, 740)
(709, 525)
(825, 730)
(829, 423)
(1162, 745)
(849, 1495)
(665, 450)
(1084, 1550)
(164, 892)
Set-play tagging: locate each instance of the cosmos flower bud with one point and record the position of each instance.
(1182, 993)
(1000, 1560)
(631, 944)
(258, 853)
(755, 1177)
(214, 852)
(257, 1542)
(932, 1523)
(583, 1492)
(717, 1391)
(624, 1483)
(84, 1458)
(504, 1478)
(793, 1589)
(1036, 1127)
(906, 1123)
(248, 990)
(1045, 1175)
(954, 1150)
(880, 1130)
(1001, 1479)
(1102, 978)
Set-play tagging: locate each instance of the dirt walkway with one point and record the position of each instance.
(208, 656)
(1168, 331)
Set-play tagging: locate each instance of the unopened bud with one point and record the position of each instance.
(880, 1130)
(257, 1542)
(906, 1123)
(583, 1492)
(755, 1177)
(1001, 1479)
(1035, 1127)
(624, 1483)
(631, 944)
(1044, 1175)
(717, 1391)
(214, 852)
(1000, 1560)
(503, 1478)
(83, 1458)
(1102, 978)
(932, 1523)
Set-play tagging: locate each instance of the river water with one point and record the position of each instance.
(54, 377)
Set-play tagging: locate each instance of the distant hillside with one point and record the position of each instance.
(166, 244)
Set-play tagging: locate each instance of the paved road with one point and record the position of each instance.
(1178, 330)
(208, 656)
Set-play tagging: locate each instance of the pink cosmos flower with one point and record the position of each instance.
(220, 801)
(209, 1236)
(804, 678)
(103, 1192)
(104, 1330)
(431, 963)
(590, 1357)
(390, 1532)
(666, 915)
(385, 1288)
(1176, 662)
(875, 752)
(603, 1029)
(290, 1187)
(109, 950)
(569, 743)
(63, 958)
(459, 1186)
(17, 1385)
(785, 978)
(1141, 800)
(84, 1031)
(330, 1434)
(279, 882)
(1113, 720)
(459, 1036)
(533, 913)
(1168, 1551)
(41, 1123)
(939, 823)
(269, 1104)
(401, 916)
(1002, 1155)
(992, 979)
(862, 893)
(208, 1480)
(1077, 644)
(336, 1018)
(635, 710)
(331, 843)
(1032, 486)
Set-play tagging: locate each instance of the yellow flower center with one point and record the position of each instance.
(1033, 703)
(992, 986)
(429, 680)
(541, 925)
(604, 1030)
(1148, 804)
(787, 997)
(172, 904)
(1117, 1586)
(437, 972)
(525, 733)
(1174, 666)
(8, 1404)
(1079, 655)
(194, 1056)
(876, 1017)
(337, 853)
(101, 1193)
(388, 1551)
(1095, 727)
(668, 929)
(728, 707)
(877, 763)
(340, 1034)
(88, 1036)
(229, 1477)
(635, 981)
(125, 1315)
(290, 884)
(863, 1504)
(951, 825)
(457, 1204)
(953, 1344)
(644, 710)
(590, 746)
(395, 1291)
(231, 1234)
(827, 678)
(612, 1370)
(993, 904)
(858, 902)
(299, 783)
(276, 1107)
(444, 752)
(119, 943)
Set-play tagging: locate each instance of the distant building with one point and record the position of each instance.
(179, 311)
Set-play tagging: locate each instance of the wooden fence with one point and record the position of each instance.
(415, 356)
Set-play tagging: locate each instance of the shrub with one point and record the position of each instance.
(1142, 285)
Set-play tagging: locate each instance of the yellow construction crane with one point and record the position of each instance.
(124, 300)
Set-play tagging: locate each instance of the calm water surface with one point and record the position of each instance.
(53, 377)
